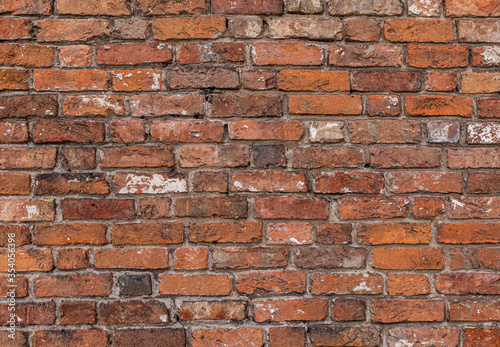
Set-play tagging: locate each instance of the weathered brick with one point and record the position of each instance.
(74, 285)
(69, 234)
(468, 233)
(346, 284)
(213, 310)
(361, 207)
(245, 105)
(248, 7)
(222, 207)
(134, 54)
(365, 55)
(474, 310)
(21, 235)
(210, 181)
(293, 53)
(148, 233)
(138, 156)
(98, 208)
(151, 105)
(79, 312)
(128, 131)
(343, 182)
(331, 257)
(334, 233)
(28, 260)
(293, 233)
(348, 310)
(267, 130)
(253, 337)
(191, 258)
(152, 7)
(14, 79)
(136, 80)
(337, 335)
(437, 57)
(475, 337)
(13, 132)
(486, 56)
(68, 131)
(383, 105)
(94, 105)
(408, 284)
(155, 207)
(480, 83)
(58, 30)
(214, 156)
(287, 336)
(362, 29)
(290, 310)
(247, 258)
(285, 282)
(150, 182)
(218, 232)
(428, 207)
(13, 54)
(14, 184)
(133, 312)
(483, 133)
(259, 79)
(127, 29)
(27, 210)
(441, 81)
(30, 313)
(473, 8)
(313, 80)
(135, 285)
(479, 31)
(188, 131)
(431, 258)
(16, 7)
(70, 80)
(268, 181)
(437, 336)
(302, 27)
(386, 81)
(196, 53)
(365, 7)
(131, 258)
(399, 311)
(468, 283)
(195, 285)
(480, 208)
(473, 158)
(325, 104)
(75, 55)
(419, 30)
(291, 208)
(78, 158)
(94, 337)
(248, 27)
(385, 131)
(405, 157)
(430, 182)
(66, 183)
(203, 78)
(443, 131)
(424, 8)
(335, 157)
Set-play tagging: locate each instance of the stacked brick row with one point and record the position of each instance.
(250, 173)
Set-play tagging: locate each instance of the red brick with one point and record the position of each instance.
(222, 207)
(245, 27)
(219, 232)
(313, 80)
(27, 210)
(203, 285)
(287, 336)
(95, 105)
(250, 258)
(75, 56)
(488, 107)
(477, 337)
(469, 233)
(181, 28)
(383, 105)
(94, 7)
(270, 130)
(203, 77)
(59, 184)
(248, 7)
(245, 105)
(285, 282)
(437, 57)
(405, 157)
(348, 310)
(437, 336)
(253, 337)
(21, 284)
(480, 208)
(373, 207)
(191, 258)
(363, 7)
(343, 182)
(302, 27)
(127, 131)
(79, 312)
(329, 335)
(155, 208)
(29, 313)
(219, 52)
(473, 158)
(293, 53)
(394, 233)
(162, 105)
(266, 156)
(431, 182)
(152, 7)
(67, 131)
(362, 29)
(214, 156)
(13, 132)
(408, 284)
(78, 158)
(13, 54)
(419, 30)
(483, 183)
(259, 79)
(441, 81)
(21, 235)
(334, 157)
(346, 284)
(334, 233)
(428, 207)
(150, 182)
(134, 54)
(468, 283)
(291, 208)
(133, 312)
(431, 258)
(73, 258)
(365, 55)
(131, 258)
(386, 81)
(188, 131)
(331, 257)
(290, 310)
(474, 310)
(471, 8)
(141, 337)
(293, 233)
(210, 181)
(268, 181)
(138, 156)
(27, 158)
(148, 233)
(60, 338)
(57, 30)
(135, 80)
(400, 311)
(483, 133)
(74, 285)
(98, 208)
(14, 79)
(14, 184)
(213, 310)
(70, 234)
(27, 260)
(17, 7)
(70, 80)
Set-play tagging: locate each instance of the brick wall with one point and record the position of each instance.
(250, 172)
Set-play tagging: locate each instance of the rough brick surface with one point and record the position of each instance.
(261, 173)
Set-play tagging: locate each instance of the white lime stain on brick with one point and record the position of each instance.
(32, 212)
(155, 184)
(484, 133)
(491, 55)
(103, 102)
(362, 287)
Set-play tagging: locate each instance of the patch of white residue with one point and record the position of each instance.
(155, 184)
(32, 211)
(361, 286)
(102, 101)
(491, 55)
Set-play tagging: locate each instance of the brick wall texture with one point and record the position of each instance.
(280, 173)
